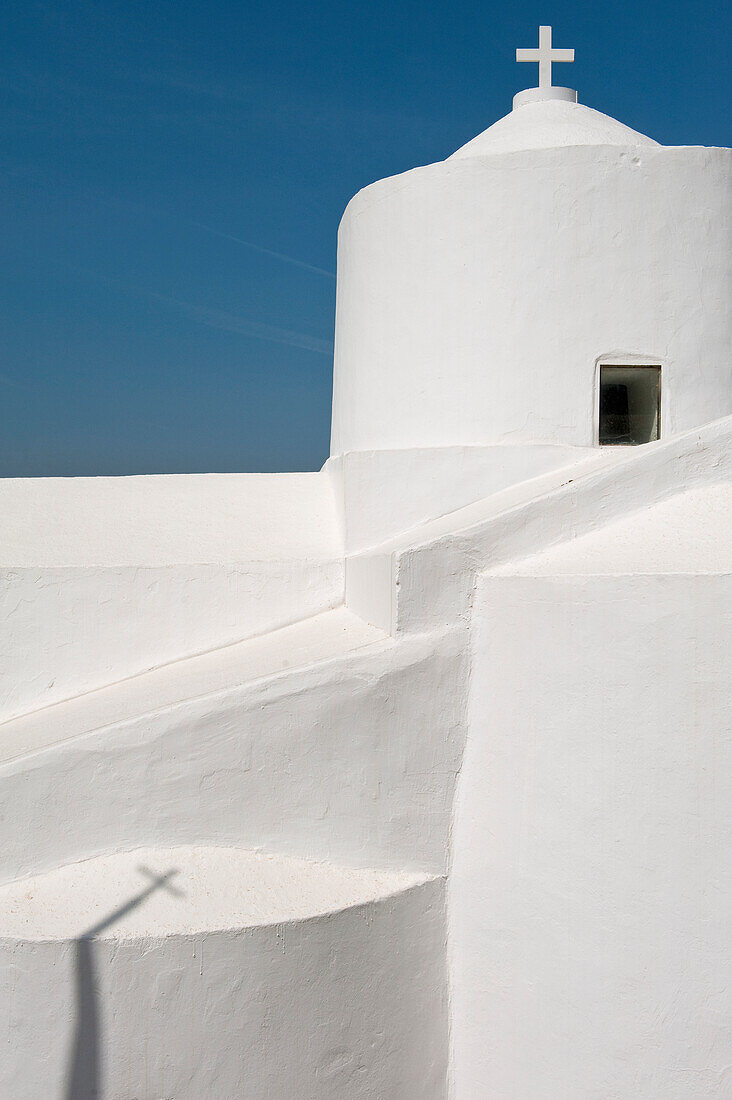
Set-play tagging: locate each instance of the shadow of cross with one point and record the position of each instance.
(84, 1075)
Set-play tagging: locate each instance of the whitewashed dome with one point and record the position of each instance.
(550, 124)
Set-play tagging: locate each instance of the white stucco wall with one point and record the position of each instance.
(381, 494)
(103, 578)
(589, 903)
(255, 978)
(424, 578)
(475, 296)
(350, 756)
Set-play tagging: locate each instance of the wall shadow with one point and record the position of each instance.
(84, 1077)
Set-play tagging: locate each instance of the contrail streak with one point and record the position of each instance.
(203, 315)
(229, 322)
(265, 251)
(187, 221)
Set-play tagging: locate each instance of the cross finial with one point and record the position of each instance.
(545, 55)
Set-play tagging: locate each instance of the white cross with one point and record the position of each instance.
(545, 55)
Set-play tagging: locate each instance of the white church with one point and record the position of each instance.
(405, 780)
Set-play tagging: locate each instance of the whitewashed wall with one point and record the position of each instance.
(104, 578)
(589, 905)
(475, 296)
(346, 1004)
(352, 759)
(384, 493)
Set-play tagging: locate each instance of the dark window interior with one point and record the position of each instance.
(630, 405)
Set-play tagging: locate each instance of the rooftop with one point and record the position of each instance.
(549, 124)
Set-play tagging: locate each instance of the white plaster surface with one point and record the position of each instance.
(213, 559)
(425, 577)
(688, 533)
(382, 494)
(310, 642)
(590, 902)
(213, 889)
(164, 520)
(550, 124)
(317, 1006)
(476, 296)
(349, 756)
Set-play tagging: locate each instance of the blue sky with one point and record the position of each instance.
(173, 175)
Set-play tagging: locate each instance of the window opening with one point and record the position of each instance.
(630, 405)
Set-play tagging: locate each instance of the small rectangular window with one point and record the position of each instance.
(630, 405)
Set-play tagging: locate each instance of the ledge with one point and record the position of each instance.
(157, 892)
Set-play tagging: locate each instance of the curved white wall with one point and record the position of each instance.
(211, 1002)
(475, 296)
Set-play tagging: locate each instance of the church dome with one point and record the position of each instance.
(550, 124)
